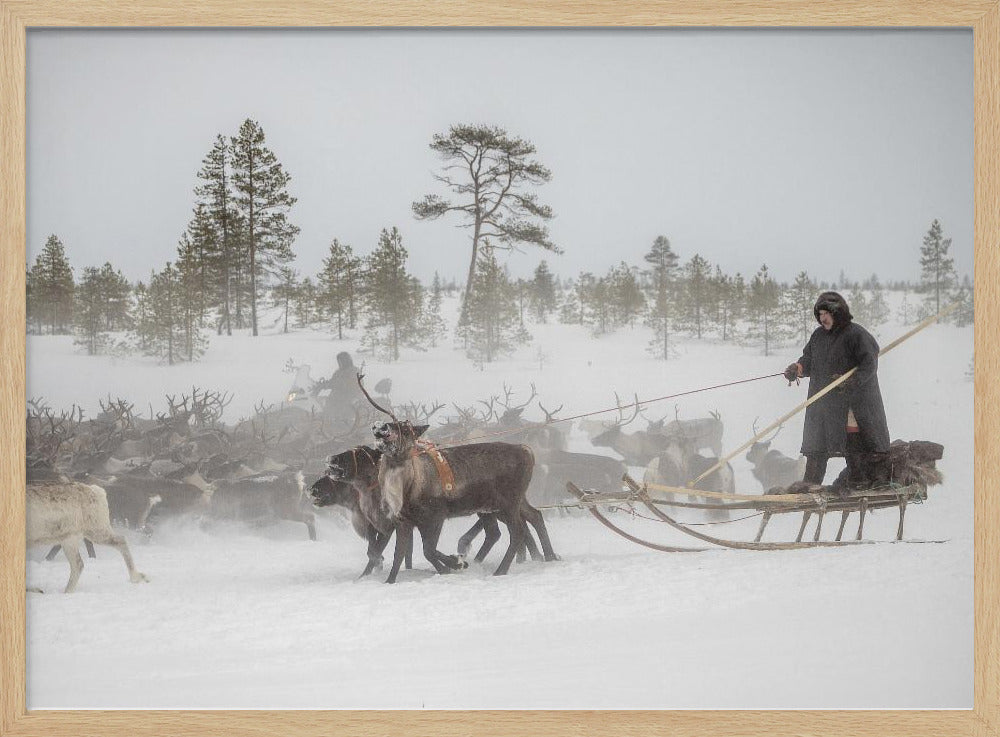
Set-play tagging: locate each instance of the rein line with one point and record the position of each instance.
(617, 408)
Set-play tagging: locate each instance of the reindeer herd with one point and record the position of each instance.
(391, 470)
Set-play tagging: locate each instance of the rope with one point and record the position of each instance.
(616, 408)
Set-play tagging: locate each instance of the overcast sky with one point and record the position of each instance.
(819, 150)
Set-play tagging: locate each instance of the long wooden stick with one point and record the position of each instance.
(823, 392)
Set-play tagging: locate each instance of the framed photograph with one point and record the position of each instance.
(681, 307)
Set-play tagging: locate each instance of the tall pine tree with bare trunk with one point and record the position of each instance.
(491, 174)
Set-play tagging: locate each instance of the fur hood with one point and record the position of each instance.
(836, 305)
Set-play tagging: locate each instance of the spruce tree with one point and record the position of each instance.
(52, 286)
(90, 319)
(663, 275)
(763, 313)
(695, 295)
(304, 303)
(263, 201)
(965, 296)
(393, 298)
(797, 304)
(339, 283)
(491, 313)
(625, 297)
(117, 295)
(543, 292)
(937, 275)
(878, 308)
(434, 325)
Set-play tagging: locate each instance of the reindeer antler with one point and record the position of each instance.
(371, 401)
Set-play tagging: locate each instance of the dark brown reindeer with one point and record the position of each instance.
(351, 481)
(485, 477)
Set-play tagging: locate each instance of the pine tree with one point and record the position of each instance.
(491, 313)
(492, 173)
(764, 310)
(595, 303)
(937, 275)
(262, 199)
(663, 274)
(339, 284)
(543, 292)
(393, 298)
(216, 198)
(90, 318)
(52, 286)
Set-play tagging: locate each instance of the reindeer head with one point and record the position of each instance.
(351, 464)
(397, 439)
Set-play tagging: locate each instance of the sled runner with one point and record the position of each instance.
(913, 470)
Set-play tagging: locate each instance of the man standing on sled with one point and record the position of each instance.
(850, 420)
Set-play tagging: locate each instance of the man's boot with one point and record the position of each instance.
(857, 466)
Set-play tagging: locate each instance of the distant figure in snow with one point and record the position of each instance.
(850, 420)
(344, 391)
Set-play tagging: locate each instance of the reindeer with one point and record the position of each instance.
(66, 513)
(772, 468)
(700, 433)
(487, 477)
(637, 448)
(351, 481)
(680, 464)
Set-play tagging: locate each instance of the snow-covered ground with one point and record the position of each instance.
(235, 617)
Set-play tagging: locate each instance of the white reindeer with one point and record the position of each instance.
(65, 513)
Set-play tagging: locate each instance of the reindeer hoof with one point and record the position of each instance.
(139, 578)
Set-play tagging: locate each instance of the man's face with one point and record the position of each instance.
(826, 320)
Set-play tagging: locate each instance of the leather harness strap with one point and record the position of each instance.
(444, 472)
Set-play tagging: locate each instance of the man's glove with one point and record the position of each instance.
(792, 373)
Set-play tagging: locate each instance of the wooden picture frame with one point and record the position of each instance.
(16, 16)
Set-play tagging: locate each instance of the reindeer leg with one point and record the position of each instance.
(902, 512)
(53, 553)
(404, 540)
(516, 528)
(465, 541)
(71, 548)
(763, 523)
(430, 533)
(91, 553)
(492, 535)
(537, 521)
(843, 521)
(802, 528)
(376, 544)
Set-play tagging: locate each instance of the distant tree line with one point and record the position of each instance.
(233, 260)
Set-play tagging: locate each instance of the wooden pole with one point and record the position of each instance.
(823, 392)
